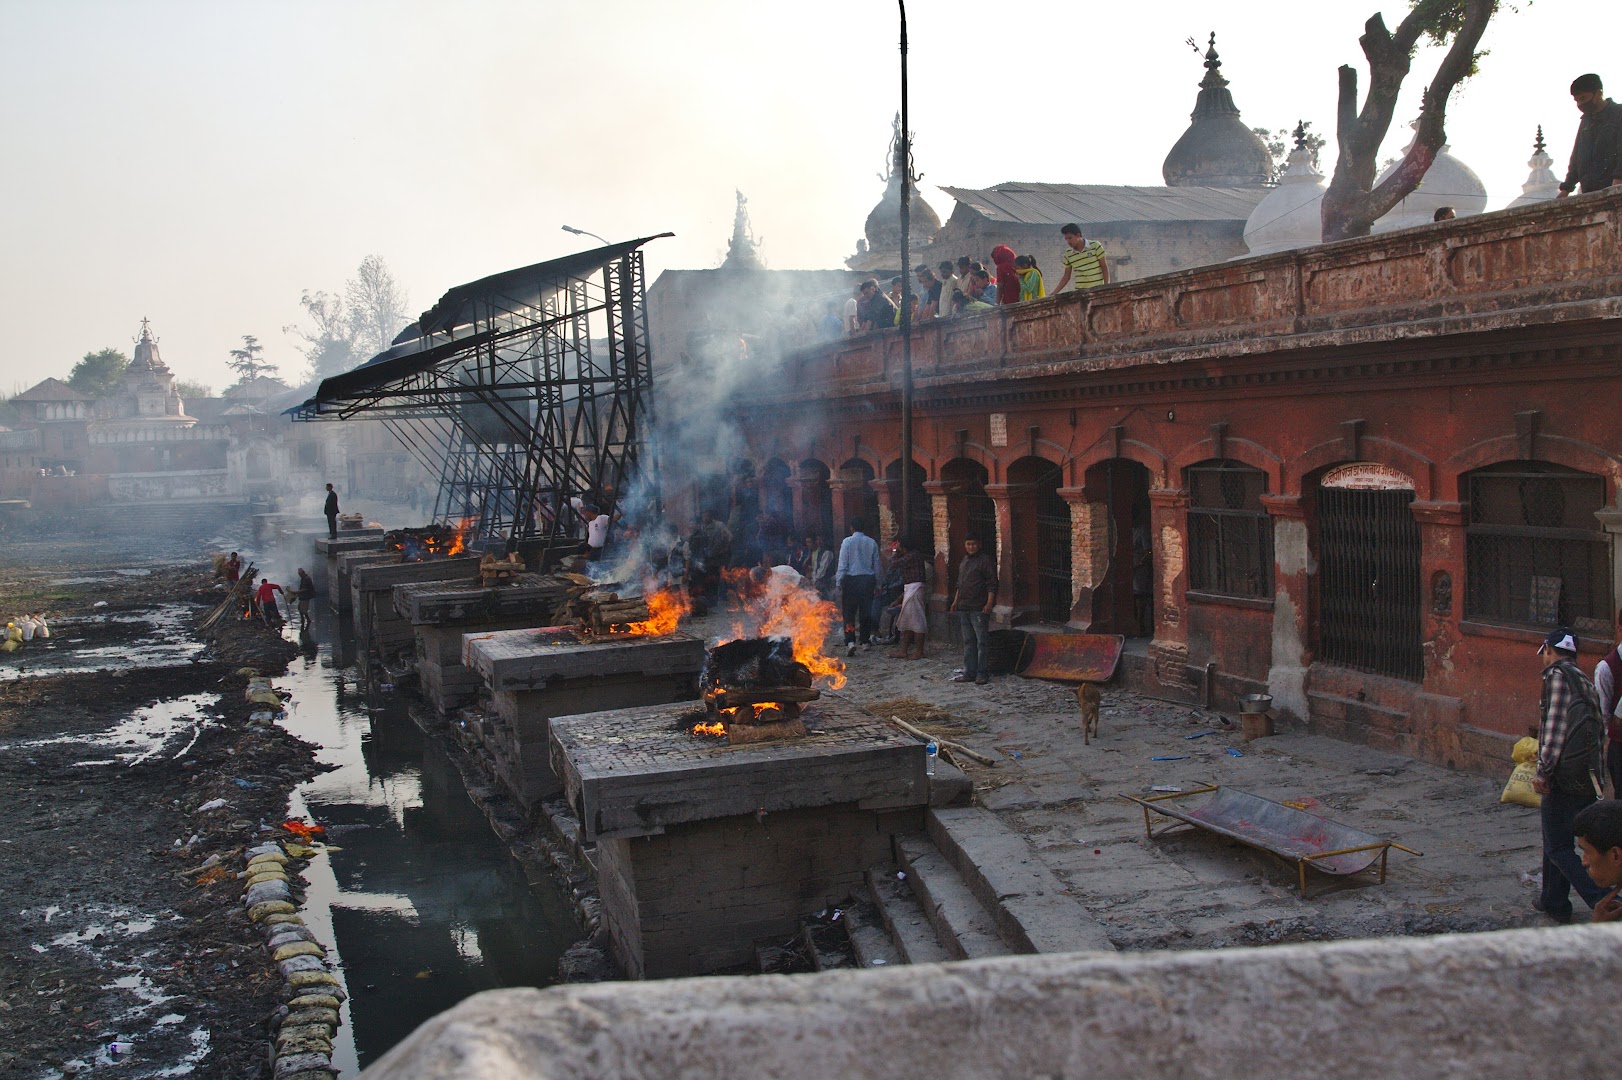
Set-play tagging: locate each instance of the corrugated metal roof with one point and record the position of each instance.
(1056, 204)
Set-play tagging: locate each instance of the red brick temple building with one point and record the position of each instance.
(1365, 478)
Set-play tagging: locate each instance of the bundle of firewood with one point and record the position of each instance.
(495, 571)
(599, 612)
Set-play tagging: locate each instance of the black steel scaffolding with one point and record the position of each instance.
(522, 392)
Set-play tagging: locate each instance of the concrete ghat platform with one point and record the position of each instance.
(441, 613)
(533, 675)
(706, 851)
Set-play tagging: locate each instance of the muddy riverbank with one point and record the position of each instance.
(113, 733)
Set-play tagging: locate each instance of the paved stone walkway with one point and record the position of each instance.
(1191, 889)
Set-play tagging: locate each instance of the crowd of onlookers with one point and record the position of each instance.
(965, 286)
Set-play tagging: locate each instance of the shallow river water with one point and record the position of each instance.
(418, 901)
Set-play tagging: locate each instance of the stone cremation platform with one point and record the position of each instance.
(328, 549)
(343, 563)
(440, 614)
(706, 850)
(379, 630)
(533, 675)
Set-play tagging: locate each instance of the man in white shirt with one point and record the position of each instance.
(597, 524)
(855, 580)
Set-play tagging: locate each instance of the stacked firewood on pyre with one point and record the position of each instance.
(494, 570)
(602, 612)
(754, 690)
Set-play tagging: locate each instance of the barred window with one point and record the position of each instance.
(1230, 538)
(1534, 552)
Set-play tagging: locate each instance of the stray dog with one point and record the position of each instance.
(1088, 696)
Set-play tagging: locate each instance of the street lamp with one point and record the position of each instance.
(905, 154)
(582, 232)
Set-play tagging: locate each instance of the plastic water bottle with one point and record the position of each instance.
(931, 752)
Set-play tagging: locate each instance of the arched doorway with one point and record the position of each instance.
(1041, 539)
(1368, 587)
(819, 500)
(861, 501)
(921, 526)
(1123, 596)
(969, 512)
(776, 506)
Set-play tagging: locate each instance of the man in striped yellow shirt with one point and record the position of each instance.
(1084, 260)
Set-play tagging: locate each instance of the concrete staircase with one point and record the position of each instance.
(968, 887)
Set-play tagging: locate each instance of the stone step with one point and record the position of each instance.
(909, 928)
(1029, 905)
(966, 929)
(870, 939)
(827, 946)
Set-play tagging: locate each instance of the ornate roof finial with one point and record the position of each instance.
(1213, 66)
(743, 250)
(1300, 134)
(1538, 145)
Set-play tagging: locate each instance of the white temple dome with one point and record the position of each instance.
(1448, 182)
(1291, 215)
(1541, 185)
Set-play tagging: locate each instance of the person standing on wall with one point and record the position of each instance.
(331, 510)
(856, 580)
(975, 597)
(1596, 156)
(1570, 745)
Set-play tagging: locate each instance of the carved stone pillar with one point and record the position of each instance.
(889, 492)
(1168, 538)
(941, 541)
(1089, 552)
(842, 487)
(1000, 501)
(1291, 656)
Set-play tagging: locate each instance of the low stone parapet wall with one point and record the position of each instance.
(1508, 1004)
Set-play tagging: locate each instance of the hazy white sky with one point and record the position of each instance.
(202, 162)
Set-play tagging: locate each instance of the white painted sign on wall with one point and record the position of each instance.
(1367, 476)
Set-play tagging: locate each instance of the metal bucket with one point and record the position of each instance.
(1255, 717)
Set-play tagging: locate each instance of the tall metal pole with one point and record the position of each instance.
(904, 156)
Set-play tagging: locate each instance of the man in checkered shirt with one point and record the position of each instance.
(1560, 734)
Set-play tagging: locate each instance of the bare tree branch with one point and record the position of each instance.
(1352, 203)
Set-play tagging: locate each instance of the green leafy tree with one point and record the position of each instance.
(328, 340)
(190, 391)
(248, 361)
(1352, 202)
(342, 330)
(99, 372)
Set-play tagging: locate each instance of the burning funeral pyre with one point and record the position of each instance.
(753, 690)
(757, 685)
(430, 542)
(604, 614)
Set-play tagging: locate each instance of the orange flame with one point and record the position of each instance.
(801, 616)
(666, 608)
(709, 729)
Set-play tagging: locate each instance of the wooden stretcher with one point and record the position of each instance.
(1293, 835)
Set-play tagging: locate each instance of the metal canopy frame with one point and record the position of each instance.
(502, 390)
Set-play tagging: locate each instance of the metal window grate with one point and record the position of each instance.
(1230, 534)
(1369, 587)
(1533, 554)
(1053, 539)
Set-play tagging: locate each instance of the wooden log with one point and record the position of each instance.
(731, 699)
(742, 734)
